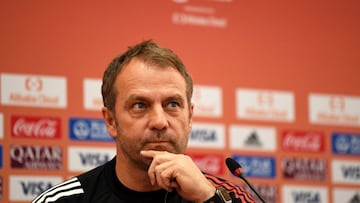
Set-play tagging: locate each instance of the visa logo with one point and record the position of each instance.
(203, 135)
(351, 172)
(86, 158)
(34, 188)
(207, 135)
(89, 159)
(26, 188)
(306, 197)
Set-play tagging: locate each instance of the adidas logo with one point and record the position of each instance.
(355, 199)
(253, 140)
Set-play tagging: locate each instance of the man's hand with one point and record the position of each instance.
(178, 171)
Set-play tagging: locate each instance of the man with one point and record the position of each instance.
(147, 97)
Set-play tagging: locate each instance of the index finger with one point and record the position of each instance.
(151, 153)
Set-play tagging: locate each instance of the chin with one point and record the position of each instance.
(145, 163)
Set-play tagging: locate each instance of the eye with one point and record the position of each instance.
(173, 104)
(139, 105)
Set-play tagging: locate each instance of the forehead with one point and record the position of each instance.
(141, 77)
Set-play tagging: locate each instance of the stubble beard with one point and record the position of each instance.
(131, 150)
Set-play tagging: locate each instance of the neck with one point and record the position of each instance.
(132, 176)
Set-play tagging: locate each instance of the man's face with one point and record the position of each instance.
(151, 111)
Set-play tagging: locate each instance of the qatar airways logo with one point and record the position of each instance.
(267, 105)
(334, 109)
(304, 168)
(303, 141)
(209, 163)
(36, 157)
(35, 127)
(33, 90)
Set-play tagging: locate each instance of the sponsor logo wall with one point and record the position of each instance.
(296, 136)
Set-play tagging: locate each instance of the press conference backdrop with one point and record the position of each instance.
(276, 88)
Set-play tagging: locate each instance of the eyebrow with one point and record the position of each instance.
(176, 97)
(135, 97)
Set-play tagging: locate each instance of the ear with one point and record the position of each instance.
(191, 111)
(110, 121)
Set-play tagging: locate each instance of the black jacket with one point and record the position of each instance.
(101, 185)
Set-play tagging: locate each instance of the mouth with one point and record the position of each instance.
(158, 145)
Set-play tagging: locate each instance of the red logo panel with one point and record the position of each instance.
(35, 127)
(213, 164)
(303, 141)
(36, 157)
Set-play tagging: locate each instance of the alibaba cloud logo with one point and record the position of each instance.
(33, 84)
(180, 1)
(337, 103)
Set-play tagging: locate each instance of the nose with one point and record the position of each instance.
(158, 120)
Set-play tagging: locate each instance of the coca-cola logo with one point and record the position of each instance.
(209, 163)
(303, 141)
(35, 127)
